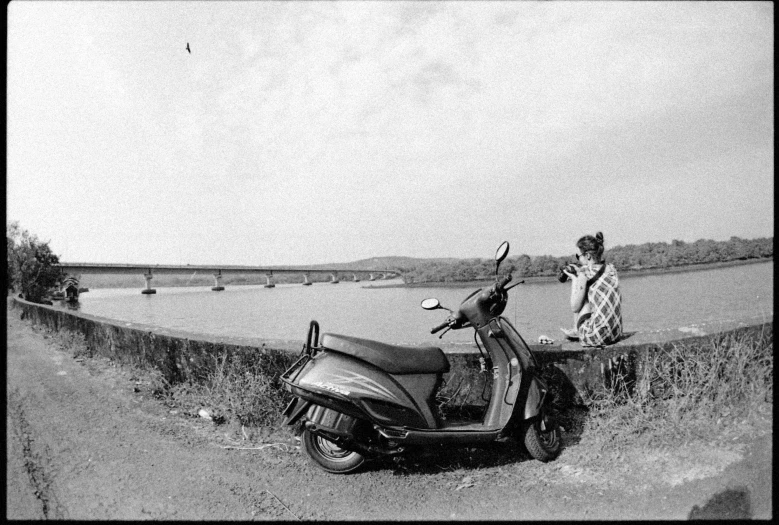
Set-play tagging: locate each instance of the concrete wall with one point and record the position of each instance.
(179, 356)
(579, 372)
(574, 372)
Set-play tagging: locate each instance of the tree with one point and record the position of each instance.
(11, 234)
(32, 266)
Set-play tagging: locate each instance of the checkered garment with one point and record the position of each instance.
(604, 326)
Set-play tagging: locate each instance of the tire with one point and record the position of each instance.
(542, 443)
(329, 456)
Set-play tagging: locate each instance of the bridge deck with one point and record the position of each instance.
(188, 268)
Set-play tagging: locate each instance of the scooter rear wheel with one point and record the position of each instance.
(329, 456)
(542, 438)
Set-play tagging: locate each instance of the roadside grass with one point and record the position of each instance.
(72, 342)
(240, 388)
(700, 391)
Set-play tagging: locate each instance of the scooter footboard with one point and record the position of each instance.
(434, 437)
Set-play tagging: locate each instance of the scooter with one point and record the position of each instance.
(357, 399)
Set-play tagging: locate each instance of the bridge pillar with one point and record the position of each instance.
(269, 280)
(306, 281)
(148, 290)
(217, 285)
(372, 278)
(334, 278)
(356, 279)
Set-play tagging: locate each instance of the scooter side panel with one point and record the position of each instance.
(422, 388)
(374, 392)
(518, 344)
(535, 397)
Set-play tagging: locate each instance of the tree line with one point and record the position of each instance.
(631, 257)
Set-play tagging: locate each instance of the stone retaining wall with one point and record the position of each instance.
(179, 356)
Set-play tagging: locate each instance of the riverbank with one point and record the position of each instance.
(623, 274)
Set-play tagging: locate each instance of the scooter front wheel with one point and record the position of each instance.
(329, 456)
(542, 438)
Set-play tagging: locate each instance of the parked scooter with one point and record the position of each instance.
(358, 399)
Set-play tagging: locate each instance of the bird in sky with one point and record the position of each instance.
(188, 51)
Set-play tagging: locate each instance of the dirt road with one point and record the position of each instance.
(86, 440)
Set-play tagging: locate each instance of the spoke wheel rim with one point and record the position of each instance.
(331, 451)
(548, 437)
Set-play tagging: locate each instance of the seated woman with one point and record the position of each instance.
(595, 298)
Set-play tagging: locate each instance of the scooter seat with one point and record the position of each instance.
(390, 358)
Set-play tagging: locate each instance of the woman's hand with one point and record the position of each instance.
(580, 277)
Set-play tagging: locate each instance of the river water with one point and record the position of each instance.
(649, 302)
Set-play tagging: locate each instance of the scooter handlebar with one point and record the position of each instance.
(440, 327)
(500, 285)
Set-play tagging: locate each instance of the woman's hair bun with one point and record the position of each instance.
(599, 237)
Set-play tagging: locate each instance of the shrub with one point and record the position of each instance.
(244, 387)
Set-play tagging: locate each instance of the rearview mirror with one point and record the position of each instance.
(431, 304)
(502, 252)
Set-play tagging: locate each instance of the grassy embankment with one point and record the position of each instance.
(692, 391)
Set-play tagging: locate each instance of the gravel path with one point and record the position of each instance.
(86, 440)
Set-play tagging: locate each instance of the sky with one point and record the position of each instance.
(316, 132)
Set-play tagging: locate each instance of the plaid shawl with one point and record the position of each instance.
(604, 326)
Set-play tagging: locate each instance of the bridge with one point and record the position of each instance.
(74, 270)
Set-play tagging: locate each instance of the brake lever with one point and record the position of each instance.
(513, 285)
(442, 333)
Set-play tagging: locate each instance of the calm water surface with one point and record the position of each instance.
(394, 315)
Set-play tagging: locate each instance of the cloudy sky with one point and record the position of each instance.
(314, 132)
